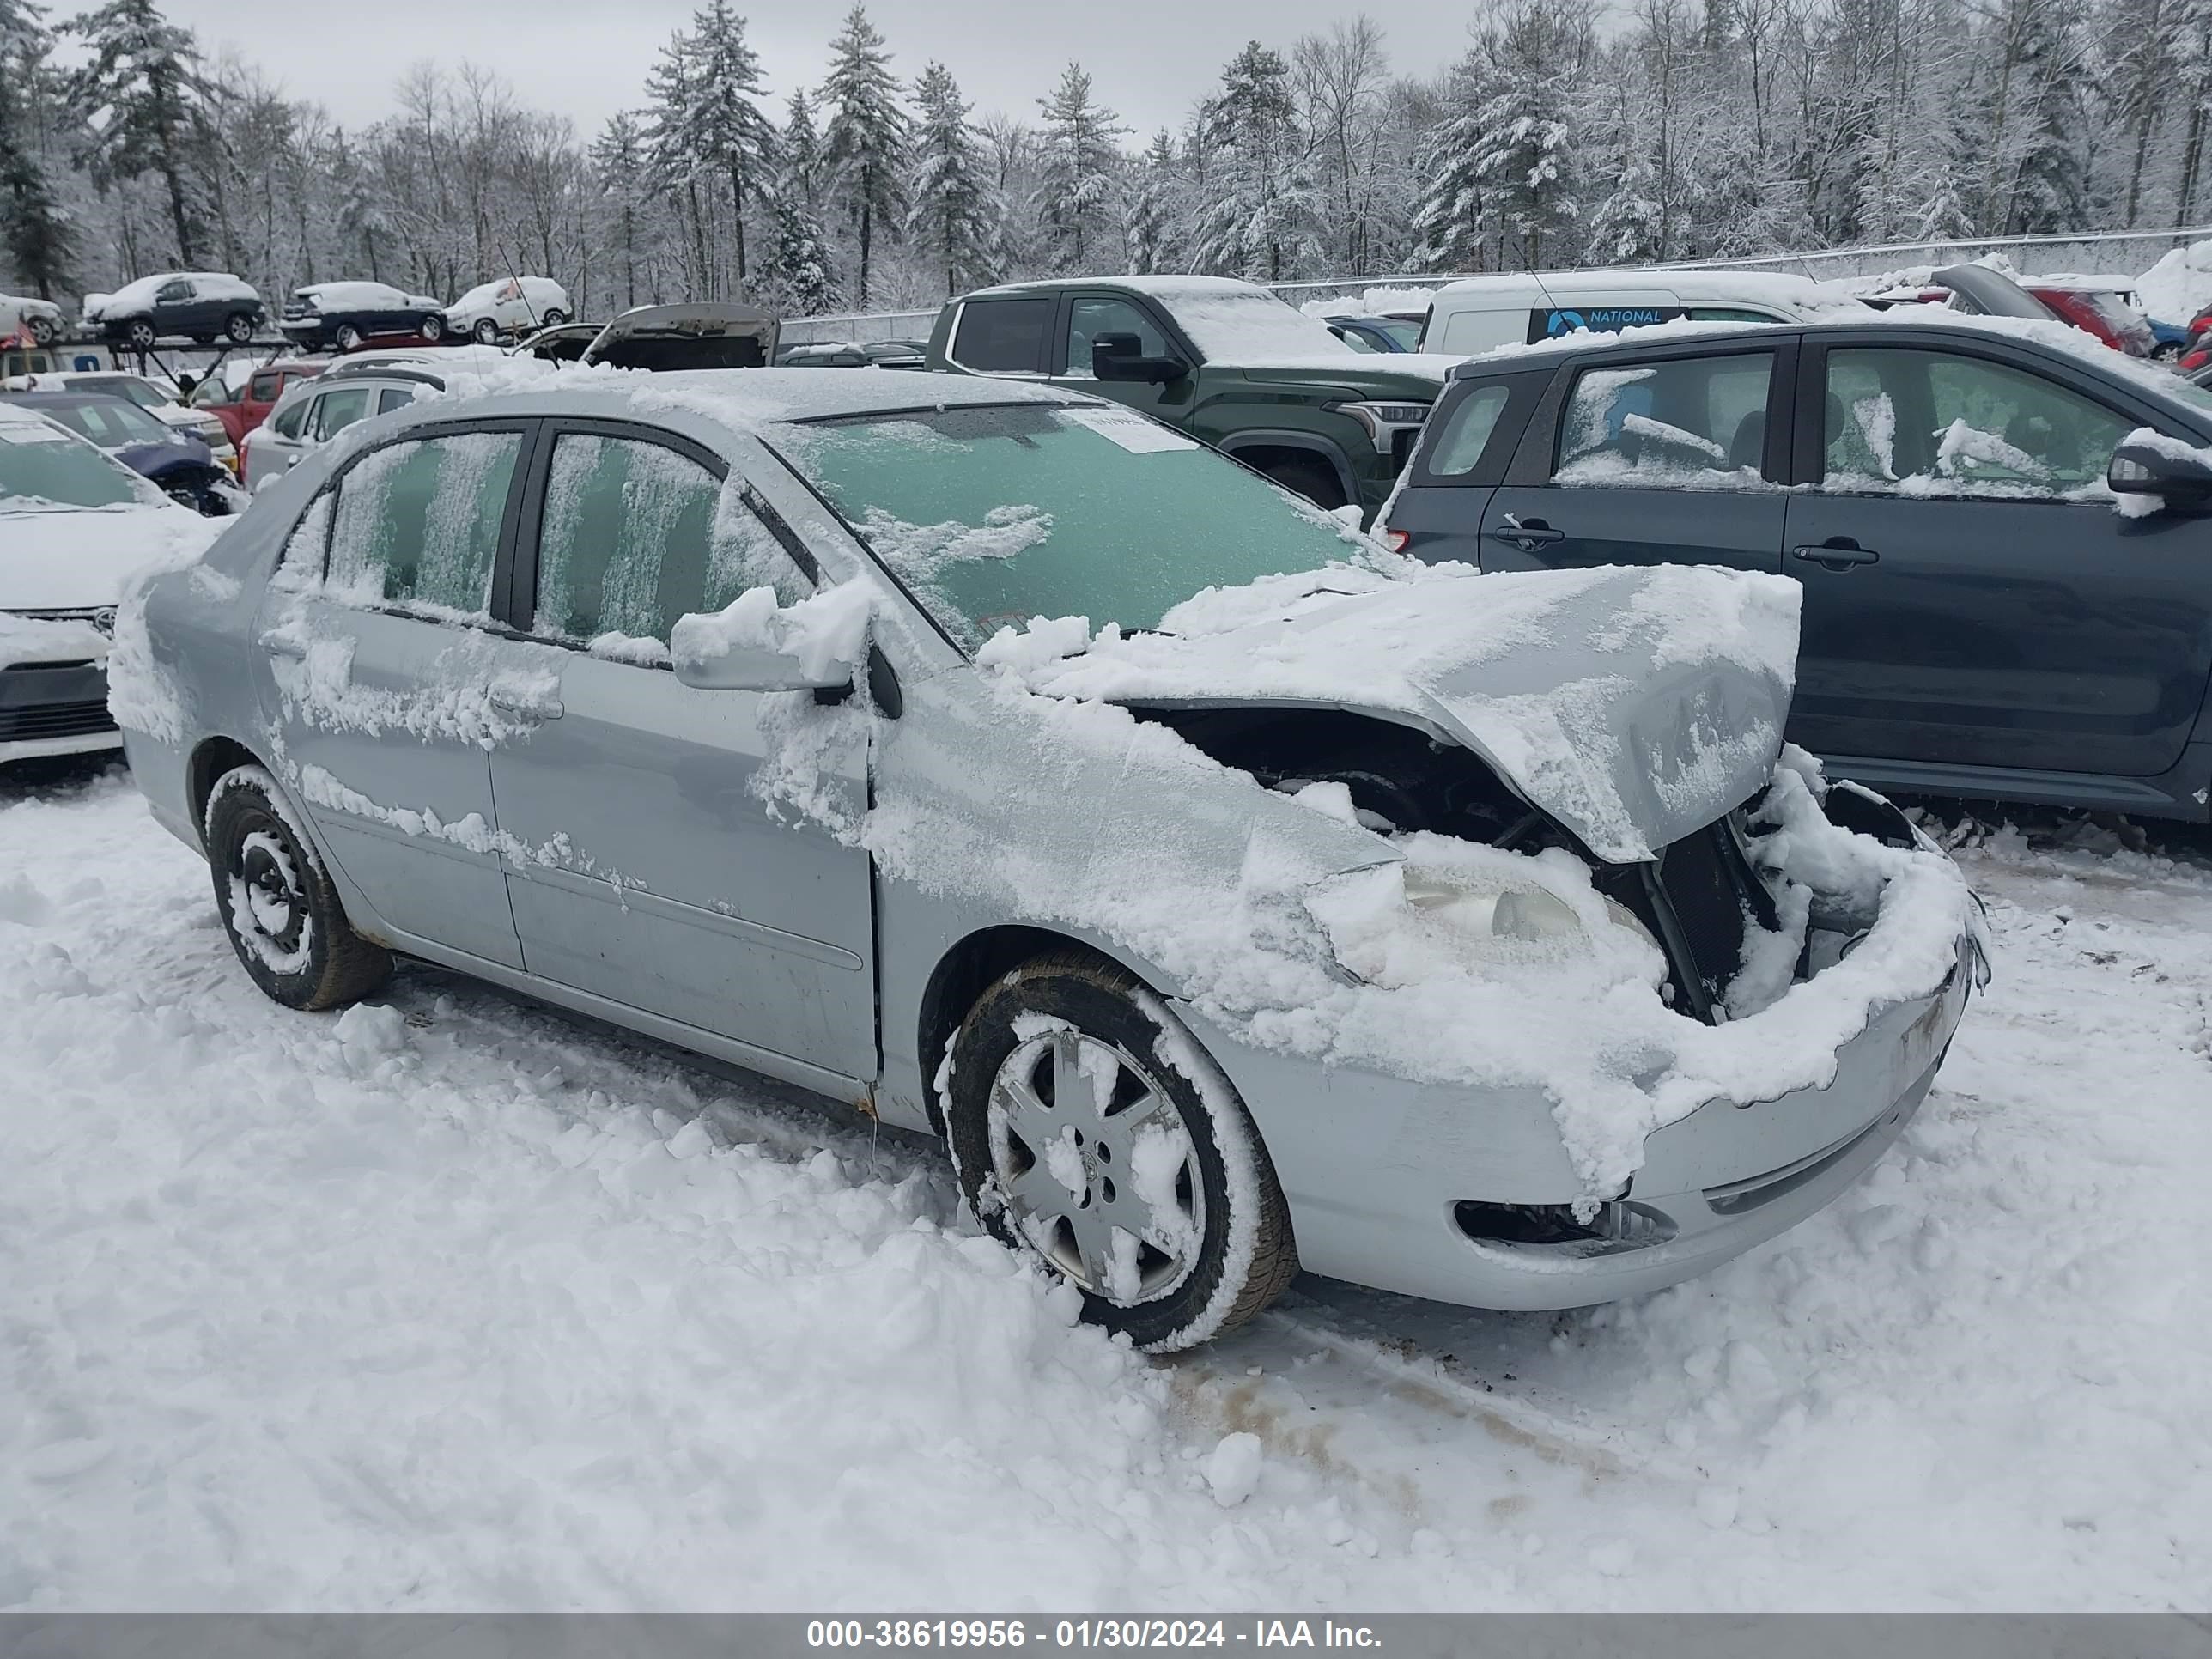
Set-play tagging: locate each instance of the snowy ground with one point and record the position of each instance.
(453, 1303)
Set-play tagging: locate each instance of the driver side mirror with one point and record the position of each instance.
(1117, 357)
(2178, 474)
(757, 645)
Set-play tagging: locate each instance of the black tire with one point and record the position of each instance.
(297, 945)
(1315, 480)
(345, 336)
(139, 334)
(1105, 1006)
(555, 317)
(432, 327)
(486, 330)
(238, 328)
(43, 330)
(203, 339)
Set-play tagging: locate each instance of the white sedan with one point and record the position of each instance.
(73, 526)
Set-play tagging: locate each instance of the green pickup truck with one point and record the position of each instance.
(1224, 362)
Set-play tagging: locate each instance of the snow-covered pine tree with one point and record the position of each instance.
(1078, 161)
(1524, 159)
(725, 132)
(618, 157)
(864, 148)
(1260, 209)
(672, 90)
(137, 95)
(34, 230)
(1156, 207)
(799, 269)
(798, 157)
(1450, 220)
(955, 213)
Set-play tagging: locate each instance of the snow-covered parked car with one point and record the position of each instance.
(341, 315)
(24, 313)
(73, 527)
(509, 305)
(1231, 894)
(198, 305)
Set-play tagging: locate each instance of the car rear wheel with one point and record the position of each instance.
(486, 330)
(237, 328)
(555, 317)
(139, 334)
(1092, 1135)
(277, 902)
(433, 326)
(43, 330)
(1314, 480)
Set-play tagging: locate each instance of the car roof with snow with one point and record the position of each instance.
(1774, 287)
(2086, 349)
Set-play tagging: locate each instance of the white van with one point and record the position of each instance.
(1513, 308)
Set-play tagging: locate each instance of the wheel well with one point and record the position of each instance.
(209, 762)
(964, 974)
(1265, 458)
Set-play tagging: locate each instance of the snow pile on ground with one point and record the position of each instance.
(447, 1302)
(2180, 285)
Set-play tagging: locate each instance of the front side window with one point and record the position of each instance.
(993, 515)
(210, 392)
(171, 292)
(417, 522)
(1696, 422)
(338, 409)
(635, 535)
(1934, 423)
(1088, 318)
(1002, 337)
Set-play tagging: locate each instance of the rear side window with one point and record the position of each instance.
(264, 388)
(394, 397)
(342, 408)
(1465, 333)
(287, 422)
(1698, 423)
(635, 535)
(1466, 433)
(417, 522)
(1001, 337)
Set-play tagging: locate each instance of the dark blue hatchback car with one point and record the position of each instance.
(1995, 605)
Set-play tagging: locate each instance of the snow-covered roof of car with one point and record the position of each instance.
(1776, 288)
(2059, 336)
(345, 294)
(142, 291)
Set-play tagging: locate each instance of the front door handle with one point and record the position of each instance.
(1527, 537)
(523, 706)
(284, 645)
(1837, 553)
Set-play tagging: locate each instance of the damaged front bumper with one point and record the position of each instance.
(1468, 1196)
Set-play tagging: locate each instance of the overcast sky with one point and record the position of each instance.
(1151, 59)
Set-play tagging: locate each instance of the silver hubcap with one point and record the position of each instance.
(1097, 1169)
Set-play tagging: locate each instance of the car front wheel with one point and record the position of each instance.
(1092, 1135)
(433, 326)
(238, 327)
(277, 904)
(487, 332)
(140, 333)
(43, 330)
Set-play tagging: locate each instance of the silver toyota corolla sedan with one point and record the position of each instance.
(1231, 896)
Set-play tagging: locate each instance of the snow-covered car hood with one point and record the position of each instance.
(1632, 705)
(77, 559)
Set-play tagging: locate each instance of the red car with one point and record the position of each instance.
(243, 406)
(2094, 308)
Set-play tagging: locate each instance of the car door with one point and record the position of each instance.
(1972, 597)
(1087, 316)
(686, 899)
(276, 445)
(1650, 458)
(174, 310)
(378, 666)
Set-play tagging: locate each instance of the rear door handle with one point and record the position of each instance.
(284, 645)
(1527, 536)
(1840, 554)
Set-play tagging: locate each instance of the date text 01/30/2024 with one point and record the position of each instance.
(946, 1633)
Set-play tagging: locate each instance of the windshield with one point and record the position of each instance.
(141, 392)
(991, 516)
(41, 466)
(110, 422)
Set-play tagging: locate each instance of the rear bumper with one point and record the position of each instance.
(1375, 1167)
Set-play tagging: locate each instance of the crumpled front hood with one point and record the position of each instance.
(1631, 704)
